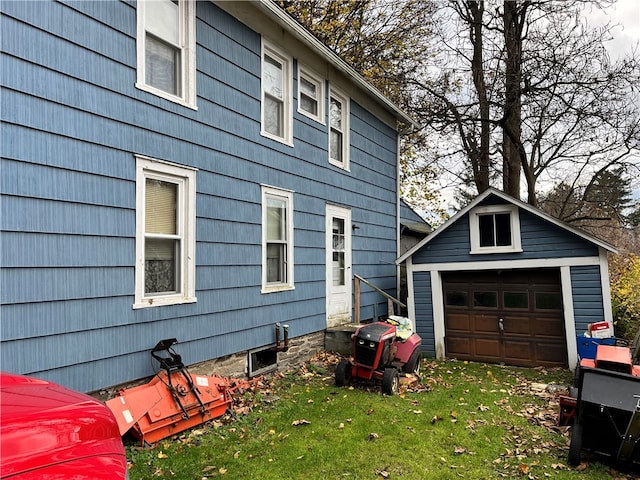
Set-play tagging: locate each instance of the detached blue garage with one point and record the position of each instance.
(503, 282)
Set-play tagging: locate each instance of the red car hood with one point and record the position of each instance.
(44, 424)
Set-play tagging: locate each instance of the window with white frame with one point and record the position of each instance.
(310, 94)
(166, 44)
(495, 229)
(338, 129)
(165, 233)
(277, 239)
(277, 116)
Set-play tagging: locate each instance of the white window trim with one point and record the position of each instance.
(287, 95)
(268, 191)
(188, 55)
(186, 177)
(346, 127)
(474, 229)
(319, 82)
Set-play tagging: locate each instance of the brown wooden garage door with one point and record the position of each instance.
(513, 317)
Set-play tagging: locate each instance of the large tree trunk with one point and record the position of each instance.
(512, 147)
(482, 165)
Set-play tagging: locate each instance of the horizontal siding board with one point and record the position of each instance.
(453, 245)
(226, 27)
(224, 209)
(34, 146)
(310, 241)
(121, 18)
(228, 276)
(382, 138)
(22, 179)
(38, 250)
(311, 134)
(225, 231)
(48, 284)
(37, 215)
(27, 320)
(228, 59)
(225, 254)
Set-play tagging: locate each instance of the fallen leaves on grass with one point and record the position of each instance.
(522, 449)
(297, 423)
(459, 450)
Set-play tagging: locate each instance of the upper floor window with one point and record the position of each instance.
(495, 229)
(338, 129)
(310, 94)
(165, 233)
(277, 239)
(166, 49)
(277, 116)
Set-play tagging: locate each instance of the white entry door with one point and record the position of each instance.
(339, 276)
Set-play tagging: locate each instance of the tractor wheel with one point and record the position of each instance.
(390, 381)
(576, 376)
(575, 447)
(343, 373)
(413, 365)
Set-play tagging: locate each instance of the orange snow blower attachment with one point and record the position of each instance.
(173, 401)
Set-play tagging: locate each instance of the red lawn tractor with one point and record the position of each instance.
(382, 351)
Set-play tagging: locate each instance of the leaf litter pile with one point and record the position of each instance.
(522, 448)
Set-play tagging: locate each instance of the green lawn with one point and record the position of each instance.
(462, 420)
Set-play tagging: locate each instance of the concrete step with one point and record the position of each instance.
(338, 339)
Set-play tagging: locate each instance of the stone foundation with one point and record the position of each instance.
(300, 350)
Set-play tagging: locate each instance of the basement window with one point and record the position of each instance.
(262, 360)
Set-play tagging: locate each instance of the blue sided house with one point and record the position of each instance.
(181, 169)
(503, 282)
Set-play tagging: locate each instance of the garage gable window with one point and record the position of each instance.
(495, 229)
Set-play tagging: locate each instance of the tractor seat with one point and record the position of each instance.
(404, 326)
